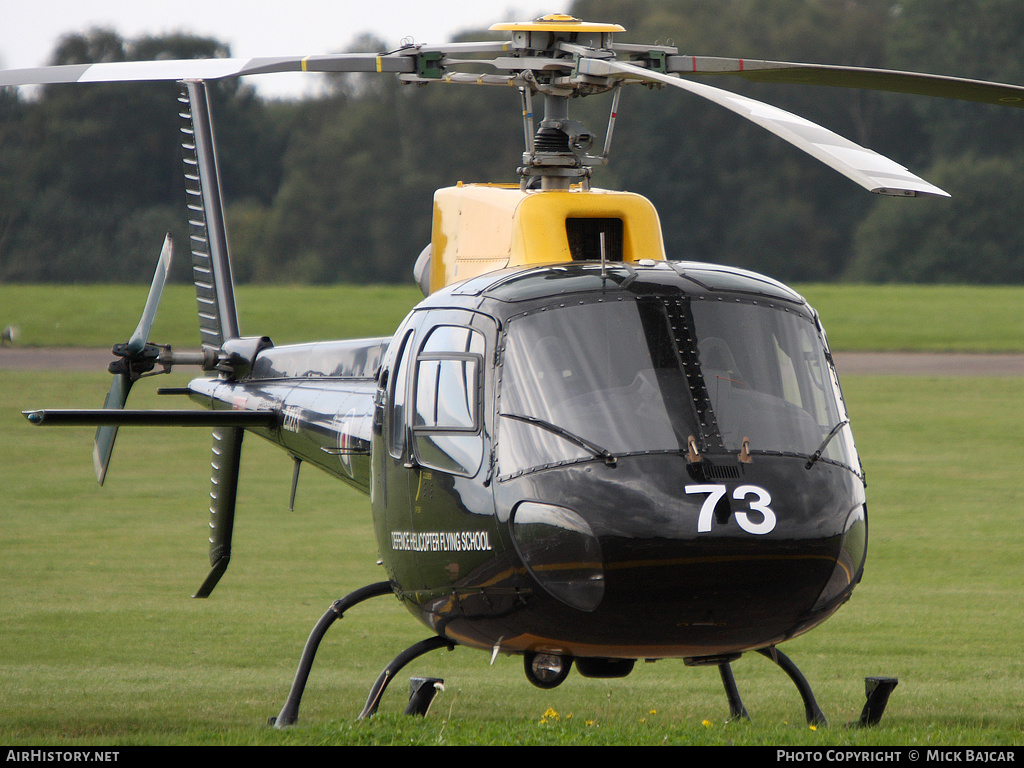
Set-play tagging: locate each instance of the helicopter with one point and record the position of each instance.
(576, 450)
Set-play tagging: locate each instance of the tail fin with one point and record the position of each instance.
(211, 266)
(223, 348)
(215, 300)
(227, 453)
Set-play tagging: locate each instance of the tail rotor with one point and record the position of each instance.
(136, 358)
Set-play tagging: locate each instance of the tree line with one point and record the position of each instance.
(338, 188)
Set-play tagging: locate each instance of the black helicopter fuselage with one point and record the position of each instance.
(609, 461)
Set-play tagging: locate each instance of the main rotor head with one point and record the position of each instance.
(542, 58)
(547, 32)
(557, 151)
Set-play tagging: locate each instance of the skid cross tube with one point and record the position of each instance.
(814, 714)
(289, 714)
(385, 677)
(736, 709)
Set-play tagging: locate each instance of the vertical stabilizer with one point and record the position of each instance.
(211, 267)
(227, 454)
(215, 299)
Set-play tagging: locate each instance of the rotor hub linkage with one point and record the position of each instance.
(134, 364)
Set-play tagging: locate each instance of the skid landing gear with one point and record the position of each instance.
(736, 709)
(385, 677)
(876, 688)
(423, 689)
(290, 712)
(814, 714)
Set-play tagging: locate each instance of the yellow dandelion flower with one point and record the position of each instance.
(706, 723)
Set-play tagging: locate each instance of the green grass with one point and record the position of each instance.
(933, 318)
(926, 318)
(100, 643)
(101, 315)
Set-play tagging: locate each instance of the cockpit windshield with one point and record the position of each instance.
(768, 380)
(607, 378)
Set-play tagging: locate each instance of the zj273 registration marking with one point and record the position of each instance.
(759, 504)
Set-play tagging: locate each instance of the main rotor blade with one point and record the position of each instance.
(138, 340)
(894, 81)
(206, 69)
(871, 170)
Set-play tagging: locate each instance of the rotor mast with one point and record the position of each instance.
(557, 153)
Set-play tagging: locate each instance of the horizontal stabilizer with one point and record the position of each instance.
(151, 418)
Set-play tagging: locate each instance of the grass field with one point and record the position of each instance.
(940, 318)
(100, 643)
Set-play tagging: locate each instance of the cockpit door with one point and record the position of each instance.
(438, 447)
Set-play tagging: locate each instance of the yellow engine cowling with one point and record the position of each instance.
(480, 228)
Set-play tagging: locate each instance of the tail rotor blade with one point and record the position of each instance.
(104, 444)
(138, 340)
(134, 360)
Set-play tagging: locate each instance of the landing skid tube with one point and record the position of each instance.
(878, 689)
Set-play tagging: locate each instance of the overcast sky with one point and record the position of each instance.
(30, 29)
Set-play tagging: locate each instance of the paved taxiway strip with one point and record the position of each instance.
(928, 364)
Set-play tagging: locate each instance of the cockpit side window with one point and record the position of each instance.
(446, 412)
(397, 397)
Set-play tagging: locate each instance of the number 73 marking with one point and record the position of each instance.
(758, 504)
